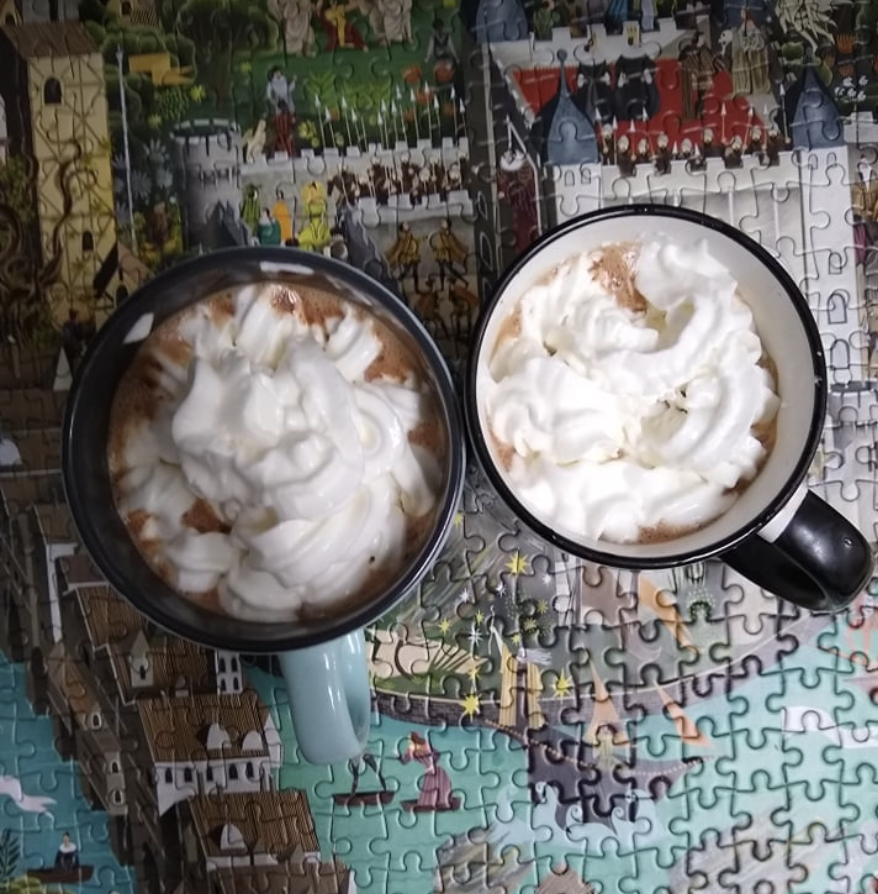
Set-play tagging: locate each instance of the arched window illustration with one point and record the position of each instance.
(481, 205)
(252, 742)
(117, 797)
(231, 837)
(236, 684)
(208, 774)
(486, 252)
(233, 771)
(234, 665)
(187, 774)
(837, 307)
(840, 356)
(222, 665)
(88, 241)
(249, 770)
(126, 8)
(217, 737)
(52, 92)
(223, 684)
(169, 776)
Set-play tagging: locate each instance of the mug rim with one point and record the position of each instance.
(479, 445)
(149, 599)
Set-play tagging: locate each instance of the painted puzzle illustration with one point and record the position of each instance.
(541, 725)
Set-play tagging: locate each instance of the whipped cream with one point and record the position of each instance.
(276, 469)
(617, 417)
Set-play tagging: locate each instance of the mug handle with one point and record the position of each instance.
(808, 554)
(330, 700)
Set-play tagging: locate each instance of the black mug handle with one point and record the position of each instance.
(818, 560)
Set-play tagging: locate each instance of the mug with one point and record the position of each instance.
(323, 658)
(778, 534)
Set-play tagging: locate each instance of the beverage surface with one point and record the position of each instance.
(628, 395)
(275, 453)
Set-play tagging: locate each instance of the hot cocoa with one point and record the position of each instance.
(628, 396)
(276, 453)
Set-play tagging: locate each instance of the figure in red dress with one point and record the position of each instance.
(340, 32)
(435, 784)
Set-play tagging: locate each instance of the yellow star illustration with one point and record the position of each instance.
(458, 519)
(542, 607)
(479, 616)
(473, 673)
(444, 626)
(471, 705)
(563, 685)
(516, 638)
(517, 564)
(530, 625)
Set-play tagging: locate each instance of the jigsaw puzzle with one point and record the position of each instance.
(541, 725)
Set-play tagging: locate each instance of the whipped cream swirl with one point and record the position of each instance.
(300, 463)
(626, 417)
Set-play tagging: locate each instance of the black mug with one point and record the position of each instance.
(778, 534)
(323, 657)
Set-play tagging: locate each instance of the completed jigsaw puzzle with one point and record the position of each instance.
(541, 725)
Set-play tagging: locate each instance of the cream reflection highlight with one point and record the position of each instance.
(628, 395)
(275, 453)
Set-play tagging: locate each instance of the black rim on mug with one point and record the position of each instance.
(798, 470)
(85, 470)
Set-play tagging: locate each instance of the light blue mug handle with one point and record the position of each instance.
(330, 701)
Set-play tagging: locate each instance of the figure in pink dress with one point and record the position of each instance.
(435, 785)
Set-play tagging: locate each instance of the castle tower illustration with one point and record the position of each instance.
(568, 134)
(209, 154)
(52, 84)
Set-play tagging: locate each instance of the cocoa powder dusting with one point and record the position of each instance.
(504, 452)
(285, 300)
(136, 522)
(202, 517)
(221, 308)
(662, 532)
(615, 270)
(394, 363)
(176, 349)
(316, 307)
(510, 329)
(430, 435)
(135, 403)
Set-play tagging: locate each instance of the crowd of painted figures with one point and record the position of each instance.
(630, 151)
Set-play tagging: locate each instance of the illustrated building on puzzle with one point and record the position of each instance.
(154, 722)
(52, 83)
(14, 12)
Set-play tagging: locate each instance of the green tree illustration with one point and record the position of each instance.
(10, 852)
(220, 31)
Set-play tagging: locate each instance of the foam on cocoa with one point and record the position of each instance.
(141, 454)
(626, 395)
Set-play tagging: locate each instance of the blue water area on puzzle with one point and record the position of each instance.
(27, 752)
(752, 772)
